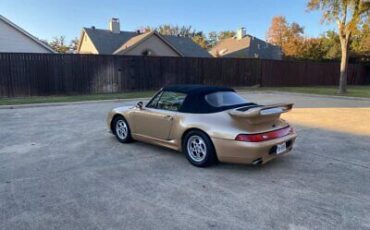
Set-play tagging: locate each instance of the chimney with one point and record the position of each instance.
(240, 33)
(114, 26)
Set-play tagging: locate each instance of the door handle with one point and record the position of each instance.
(168, 117)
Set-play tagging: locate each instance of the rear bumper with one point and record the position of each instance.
(241, 152)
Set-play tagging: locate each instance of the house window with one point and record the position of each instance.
(147, 53)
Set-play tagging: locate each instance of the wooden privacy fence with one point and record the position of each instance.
(56, 74)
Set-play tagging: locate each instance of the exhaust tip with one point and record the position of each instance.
(258, 161)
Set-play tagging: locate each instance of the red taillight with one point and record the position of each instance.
(265, 136)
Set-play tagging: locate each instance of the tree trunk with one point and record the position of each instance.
(343, 65)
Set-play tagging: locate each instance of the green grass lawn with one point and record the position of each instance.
(74, 98)
(353, 91)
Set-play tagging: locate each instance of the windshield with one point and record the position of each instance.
(220, 99)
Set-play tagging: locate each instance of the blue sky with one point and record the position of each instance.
(48, 18)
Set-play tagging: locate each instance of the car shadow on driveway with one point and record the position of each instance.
(325, 175)
(60, 169)
(176, 157)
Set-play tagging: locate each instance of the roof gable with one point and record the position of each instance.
(25, 33)
(135, 41)
(230, 45)
(107, 42)
(85, 43)
(132, 42)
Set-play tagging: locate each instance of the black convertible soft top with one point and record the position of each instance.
(196, 89)
(195, 101)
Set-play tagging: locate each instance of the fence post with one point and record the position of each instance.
(260, 73)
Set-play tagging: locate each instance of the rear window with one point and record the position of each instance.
(220, 99)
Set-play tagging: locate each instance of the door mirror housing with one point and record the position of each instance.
(140, 105)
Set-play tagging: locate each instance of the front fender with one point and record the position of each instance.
(122, 111)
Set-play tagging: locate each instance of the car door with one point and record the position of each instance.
(156, 119)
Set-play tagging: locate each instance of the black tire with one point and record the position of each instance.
(121, 137)
(203, 160)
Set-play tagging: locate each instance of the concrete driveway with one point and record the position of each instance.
(61, 169)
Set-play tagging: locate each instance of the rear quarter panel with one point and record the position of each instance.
(222, 129)
(219, 125)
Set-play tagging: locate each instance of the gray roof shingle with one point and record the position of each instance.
(247, 47)
(186, 46)
(107, 42)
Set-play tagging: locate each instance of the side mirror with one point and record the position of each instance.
(140, 105)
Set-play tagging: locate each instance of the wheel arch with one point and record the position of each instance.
(199, 130)
(192, 129)
(113, 118)
(202, 131)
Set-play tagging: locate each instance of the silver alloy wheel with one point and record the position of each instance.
(121, 129)
(197, 148)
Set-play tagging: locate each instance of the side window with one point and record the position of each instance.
(171, 101)
(154, 102)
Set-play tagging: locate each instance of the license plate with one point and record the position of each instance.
(280, 148)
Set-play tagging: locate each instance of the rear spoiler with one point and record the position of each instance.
(263, 111)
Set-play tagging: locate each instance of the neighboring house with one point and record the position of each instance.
(243, 45)
(117, 42)
(14, 39)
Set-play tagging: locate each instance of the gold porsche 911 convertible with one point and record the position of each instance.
(208, 124)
